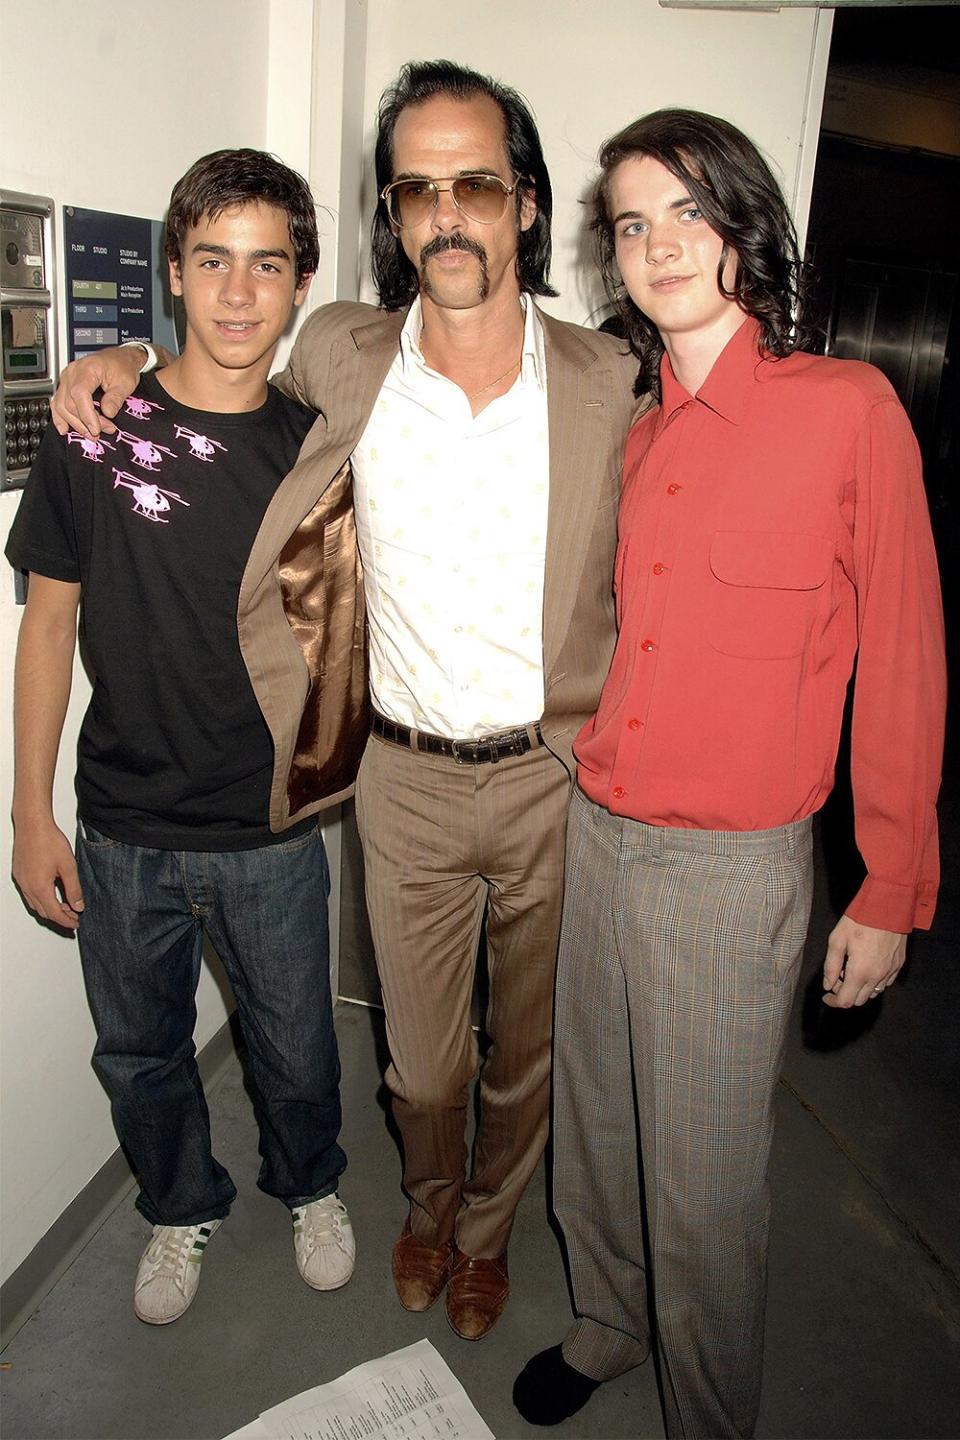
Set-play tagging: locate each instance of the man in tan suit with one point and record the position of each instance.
(463, 480)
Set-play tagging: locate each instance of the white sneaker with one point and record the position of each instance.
(323, 1242)
(169, 1271)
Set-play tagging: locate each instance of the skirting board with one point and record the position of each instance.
(50, 1257)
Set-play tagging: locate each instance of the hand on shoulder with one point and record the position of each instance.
(115, 372)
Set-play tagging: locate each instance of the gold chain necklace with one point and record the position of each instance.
(490, 383)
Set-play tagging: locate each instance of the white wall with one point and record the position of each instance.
(136, 92)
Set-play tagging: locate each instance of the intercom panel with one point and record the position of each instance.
(28, 327)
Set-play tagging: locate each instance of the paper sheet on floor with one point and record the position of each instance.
(411, 1394)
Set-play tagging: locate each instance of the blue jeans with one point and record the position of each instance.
(141, 934)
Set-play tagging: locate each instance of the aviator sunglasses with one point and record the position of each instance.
(479, 197)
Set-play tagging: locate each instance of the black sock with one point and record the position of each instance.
(548, 1390)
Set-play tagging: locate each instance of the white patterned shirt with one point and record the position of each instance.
(452, 523)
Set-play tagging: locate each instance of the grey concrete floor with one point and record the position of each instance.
(863, 1334)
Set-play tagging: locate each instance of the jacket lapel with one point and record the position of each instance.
(358, 363)
(578, 391)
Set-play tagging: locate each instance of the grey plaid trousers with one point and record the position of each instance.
(679, 956)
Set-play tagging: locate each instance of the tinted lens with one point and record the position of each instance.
(481, 197)
(411, 201)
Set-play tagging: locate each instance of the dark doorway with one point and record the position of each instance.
(884, 230)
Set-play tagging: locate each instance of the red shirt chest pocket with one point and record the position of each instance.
(765, 591)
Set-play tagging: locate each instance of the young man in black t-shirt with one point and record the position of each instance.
(147, 532)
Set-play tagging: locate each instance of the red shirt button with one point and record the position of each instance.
(658, 569)
(633, 724)
(674, 489)
(647, 645)
(618, 792)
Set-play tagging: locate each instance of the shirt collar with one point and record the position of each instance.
(533, 360)
(410, 351)
(728, 386)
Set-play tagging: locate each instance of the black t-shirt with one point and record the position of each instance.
(156, 522)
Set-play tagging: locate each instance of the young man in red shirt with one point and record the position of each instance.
(773, 527)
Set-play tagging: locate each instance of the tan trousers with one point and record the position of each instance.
(678, 962)
(443, 843)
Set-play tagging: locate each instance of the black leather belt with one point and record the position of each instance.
(487, 750)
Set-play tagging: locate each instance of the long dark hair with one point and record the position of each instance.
(733, 185)
(235, 177)
(394, 276)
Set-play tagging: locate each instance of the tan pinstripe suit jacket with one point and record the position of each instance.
(300, 616)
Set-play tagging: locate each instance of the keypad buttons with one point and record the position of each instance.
(24, 421)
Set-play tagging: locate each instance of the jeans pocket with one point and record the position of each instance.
(298, 842)
(93, 839)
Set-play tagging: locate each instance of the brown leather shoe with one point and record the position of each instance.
(476, 1294)
(419, 1271)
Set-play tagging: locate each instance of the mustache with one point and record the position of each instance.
(440, 243)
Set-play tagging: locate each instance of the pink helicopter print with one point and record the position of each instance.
(139, 408)
(149, 500)
(90, 449)
(201, 446)
(144, 452)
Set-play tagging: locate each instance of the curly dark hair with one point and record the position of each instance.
(235, 177)
(733, 185)
(420, 80)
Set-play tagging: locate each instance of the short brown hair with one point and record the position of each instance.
(236, 177)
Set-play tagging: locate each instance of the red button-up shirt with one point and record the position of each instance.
(772, 527)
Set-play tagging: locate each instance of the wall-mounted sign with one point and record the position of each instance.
(116, 286)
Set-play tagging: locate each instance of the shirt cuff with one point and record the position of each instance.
(152, 359)
(887, 906)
